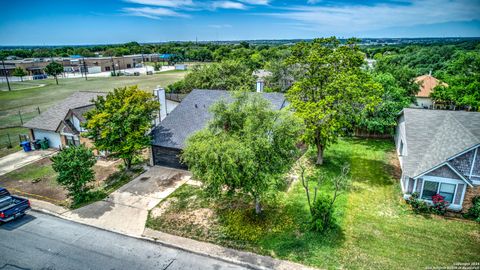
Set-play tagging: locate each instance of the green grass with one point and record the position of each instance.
(28, 100)
(374, 229)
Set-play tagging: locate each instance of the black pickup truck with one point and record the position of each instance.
(12, 207)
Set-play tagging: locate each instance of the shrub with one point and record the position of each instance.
(322, 214)
(439, 205)
(418, 206)
(74, 167)
(474, 211)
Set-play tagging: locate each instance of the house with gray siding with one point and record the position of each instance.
(439, 153)
(190, 116)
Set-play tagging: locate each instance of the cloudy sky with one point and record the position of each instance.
(34, 22)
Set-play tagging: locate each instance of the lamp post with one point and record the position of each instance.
(6, 75)
(85, 68)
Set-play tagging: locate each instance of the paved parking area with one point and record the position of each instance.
(126, 209)
(19, 159)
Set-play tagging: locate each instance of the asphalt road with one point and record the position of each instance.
(39, 241)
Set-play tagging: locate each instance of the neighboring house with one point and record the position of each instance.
(427, 83)
(61, 123)
(439, 153)
(191, 115)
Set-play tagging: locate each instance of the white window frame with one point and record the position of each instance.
(441, 180)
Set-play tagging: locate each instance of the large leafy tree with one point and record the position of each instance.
(246, 148)
(394, 98)
(54, 69)
(74, 168)
(227, 75)
(463, 78)
(332, 91)
(121, 121)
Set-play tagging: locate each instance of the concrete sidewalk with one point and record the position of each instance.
(20, 159)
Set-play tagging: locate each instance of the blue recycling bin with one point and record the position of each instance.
(26, 146)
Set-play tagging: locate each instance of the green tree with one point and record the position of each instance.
(120, 122)
(332, 91)
(394, 98)
(19, 72)
(246, 148)
(74, 168)
(54, 69)
(227, 75)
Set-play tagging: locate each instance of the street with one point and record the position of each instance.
(39, 241)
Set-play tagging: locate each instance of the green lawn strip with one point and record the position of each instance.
(28, 100)
(374, 228)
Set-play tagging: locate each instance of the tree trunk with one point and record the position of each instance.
(128, 163)
(21, 78)
(320, 149)
(56, 79)
(258, 207)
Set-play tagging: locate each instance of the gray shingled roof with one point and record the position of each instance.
(51, 118)
(192, 115)
(433, 136)
(80, 112)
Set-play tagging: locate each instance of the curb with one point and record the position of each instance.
(179, 247)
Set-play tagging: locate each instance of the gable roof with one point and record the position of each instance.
(434, 136)
(192, 115)
(51, 118)
(427, 84)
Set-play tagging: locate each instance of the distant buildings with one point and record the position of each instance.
(76, 63)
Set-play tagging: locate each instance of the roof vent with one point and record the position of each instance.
(196, 106)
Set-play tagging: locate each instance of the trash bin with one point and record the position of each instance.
(44, 144)
(26, 146)
(36, 144)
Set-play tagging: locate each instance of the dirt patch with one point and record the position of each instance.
(37, 180)
(158, 211)
(103, 170)
(394, 168)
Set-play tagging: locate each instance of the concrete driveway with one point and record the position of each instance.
(20, 159)
(126, 209)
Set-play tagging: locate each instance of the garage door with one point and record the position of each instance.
(167, 157)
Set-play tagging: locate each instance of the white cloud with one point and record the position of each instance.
(351, 19)
(220, 26)
(152, 13)
(256, 2)
(228, 5)
(163, 3)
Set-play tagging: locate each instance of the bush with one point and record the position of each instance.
(322, 214)
(74, 167)
(439, 205)
(474, 211)
(418, 206)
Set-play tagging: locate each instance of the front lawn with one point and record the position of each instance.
(374, 228)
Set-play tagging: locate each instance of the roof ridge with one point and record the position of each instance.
(450, 114)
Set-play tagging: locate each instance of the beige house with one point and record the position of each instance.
(427, 84)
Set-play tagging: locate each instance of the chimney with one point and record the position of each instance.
(159, 93)
(260, 85)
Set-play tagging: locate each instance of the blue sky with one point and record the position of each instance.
(59, 22)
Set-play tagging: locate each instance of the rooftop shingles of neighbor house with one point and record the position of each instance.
(427, 84)
(51, 118)
(192, 114)
(433, 136)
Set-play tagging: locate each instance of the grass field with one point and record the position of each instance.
(34, 96)
(375, 229)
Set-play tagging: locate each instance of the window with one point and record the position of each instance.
(107, 68)
(429, 189)
(447, 191)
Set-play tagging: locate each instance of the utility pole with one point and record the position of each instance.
(6, 75)
(113, 65)
(85, 68)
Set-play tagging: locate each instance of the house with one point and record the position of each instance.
(439, 153)
(427, 83)
(61, 123)
(191, 115)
